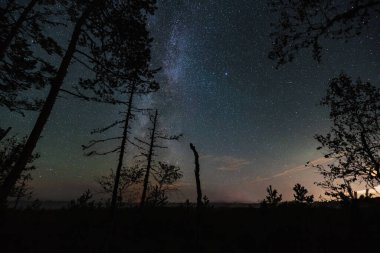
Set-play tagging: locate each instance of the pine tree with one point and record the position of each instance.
(149, 150)
(10, 150)
(4, 132)
(273, 198)
(99, 37)
(125, 124)
(300, 194)
(164, 178)
(304, 24)
(128, 177)
(21, 68)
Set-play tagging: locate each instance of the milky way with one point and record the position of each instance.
(252, 124)
(226, 96)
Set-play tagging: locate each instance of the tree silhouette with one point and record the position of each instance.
(130, 70)
(273, 198)
(165, 176)
(21, 69)
(142, 87)
(103, 34)
(353, 142)
(128, 177)
(83, 201)
(149, 151)
(300, 194)
(197, 177)
(15, 28)
(149, 156)
(10, 150)
(4, 132)
(303, 24)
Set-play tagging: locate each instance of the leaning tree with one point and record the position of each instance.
(10, 150)
(101, 32)
(22, 69)
(4, 132)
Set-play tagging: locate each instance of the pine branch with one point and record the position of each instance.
(94, 142)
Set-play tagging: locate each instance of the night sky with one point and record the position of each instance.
(252, 124)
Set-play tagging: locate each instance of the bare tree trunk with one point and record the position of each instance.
(149, 165)
(197, 179)
(4, 133)
(16, 27)
(122, 151)
(43, 117)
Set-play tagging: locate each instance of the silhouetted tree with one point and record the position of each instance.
(149, 151)
(149, 156)
(300, 194)
(303, 24)
(84, 201)
(142, 87)
(273, 198)
(10, 150)
(165, 176)
(197, 178)
(21, 69)
(353, 142)
(13, 30)
(133, 73)
(128, 177)
(4, 132)
(103, 34)
(35, 205)
(205, 201)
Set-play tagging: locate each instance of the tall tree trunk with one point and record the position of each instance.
(16, 27)
(4, 133)
(122, 151)
(197, 178)
(56, 84)
(149, 165)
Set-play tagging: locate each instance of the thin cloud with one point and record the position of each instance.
(226, 163)
(294, 170)
(319, 161)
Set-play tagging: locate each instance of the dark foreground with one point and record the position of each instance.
(284, 229)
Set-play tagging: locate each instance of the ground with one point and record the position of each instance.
(288, 228)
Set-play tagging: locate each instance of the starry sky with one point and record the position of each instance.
(252, 124)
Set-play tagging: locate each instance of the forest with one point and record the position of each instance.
(101, 53)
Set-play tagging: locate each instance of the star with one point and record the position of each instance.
(219, 89)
